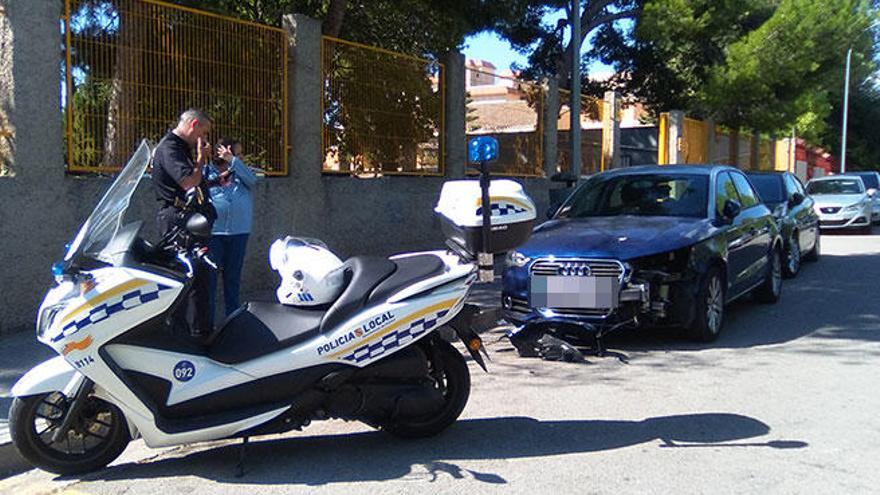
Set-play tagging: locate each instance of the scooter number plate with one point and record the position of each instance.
(574, 292)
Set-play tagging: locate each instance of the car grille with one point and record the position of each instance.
(574, 267)
(518, 305)
(830, 209)
(833, 222)
(578, 267)
(522, 307)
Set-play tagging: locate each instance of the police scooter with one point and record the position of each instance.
(356, 341)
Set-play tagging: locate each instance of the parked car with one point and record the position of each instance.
(872, 185)
(842, 202)
(664, 245)
(792, 207)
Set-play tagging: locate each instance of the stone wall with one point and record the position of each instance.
(41, 207)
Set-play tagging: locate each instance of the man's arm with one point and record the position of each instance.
(192, 180)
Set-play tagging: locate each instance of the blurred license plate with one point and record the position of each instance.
(574, 292)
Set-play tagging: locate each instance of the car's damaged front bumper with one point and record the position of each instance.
(648, 292)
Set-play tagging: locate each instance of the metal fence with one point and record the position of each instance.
(132, 66)
(511, 110)
(695, 141)
(592, 110)
(383, 112)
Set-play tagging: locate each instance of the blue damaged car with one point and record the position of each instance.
(656, 245)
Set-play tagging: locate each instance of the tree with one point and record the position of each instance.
(788, 71)
(665, 62)
(521, 23)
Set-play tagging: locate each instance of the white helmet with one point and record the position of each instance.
(310, 274)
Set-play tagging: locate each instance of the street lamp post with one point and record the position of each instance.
(845, 113)
(574, 19)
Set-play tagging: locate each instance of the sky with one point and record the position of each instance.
(490, 47)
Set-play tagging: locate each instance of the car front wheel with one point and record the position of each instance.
(706, 325)
(792, 257)
(813, 254)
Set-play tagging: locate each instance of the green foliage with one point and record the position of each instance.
(419, 27)
(787, 71)
(667, 61)
(862, 145)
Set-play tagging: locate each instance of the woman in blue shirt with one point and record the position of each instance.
(230, 182)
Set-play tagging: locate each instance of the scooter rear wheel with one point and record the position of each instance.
(95, 438)
(452, 377)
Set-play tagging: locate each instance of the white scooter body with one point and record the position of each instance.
(124, 298)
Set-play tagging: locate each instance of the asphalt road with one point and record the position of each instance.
(785, 402)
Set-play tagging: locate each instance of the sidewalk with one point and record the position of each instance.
(21, 352)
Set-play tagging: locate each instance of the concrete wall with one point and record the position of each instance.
(41, 207)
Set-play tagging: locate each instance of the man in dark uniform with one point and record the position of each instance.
(174, 173)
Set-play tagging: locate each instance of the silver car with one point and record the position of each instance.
(872, 182)
(842, 202)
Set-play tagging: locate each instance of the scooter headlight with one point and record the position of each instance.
(517, 259)
(56, 301)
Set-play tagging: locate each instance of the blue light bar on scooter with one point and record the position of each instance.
(58, 269)
(482, 149)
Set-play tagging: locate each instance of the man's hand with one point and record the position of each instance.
(225, 153)
(204, 152)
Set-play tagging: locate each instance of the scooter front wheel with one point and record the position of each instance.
(451, 375)
(95, 438)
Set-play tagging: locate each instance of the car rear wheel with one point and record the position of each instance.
(706, 325)
(770, 291)
(792, 257)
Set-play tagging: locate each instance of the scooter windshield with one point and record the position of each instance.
(103, 224)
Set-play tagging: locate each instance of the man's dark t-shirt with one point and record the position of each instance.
(172, 161)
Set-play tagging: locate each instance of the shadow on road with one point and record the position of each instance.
(375, 456)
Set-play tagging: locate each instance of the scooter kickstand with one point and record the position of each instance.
(239, 469)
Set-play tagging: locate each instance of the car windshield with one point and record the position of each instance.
(662, 195)
(870, 180)
(769, 187)
(835, 186)
(103, 224)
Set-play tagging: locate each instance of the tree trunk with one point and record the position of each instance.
(335, 14)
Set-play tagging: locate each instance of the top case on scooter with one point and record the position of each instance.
(512, 215)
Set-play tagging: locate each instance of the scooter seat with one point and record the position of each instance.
(362, 275)
(410, 270)
(373, 280)
(262, 328)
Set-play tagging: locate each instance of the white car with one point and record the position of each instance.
(842, 202)
(872, 182)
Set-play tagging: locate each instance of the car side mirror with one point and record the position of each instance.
(796, 199)
(872, 192)
(731, 209)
